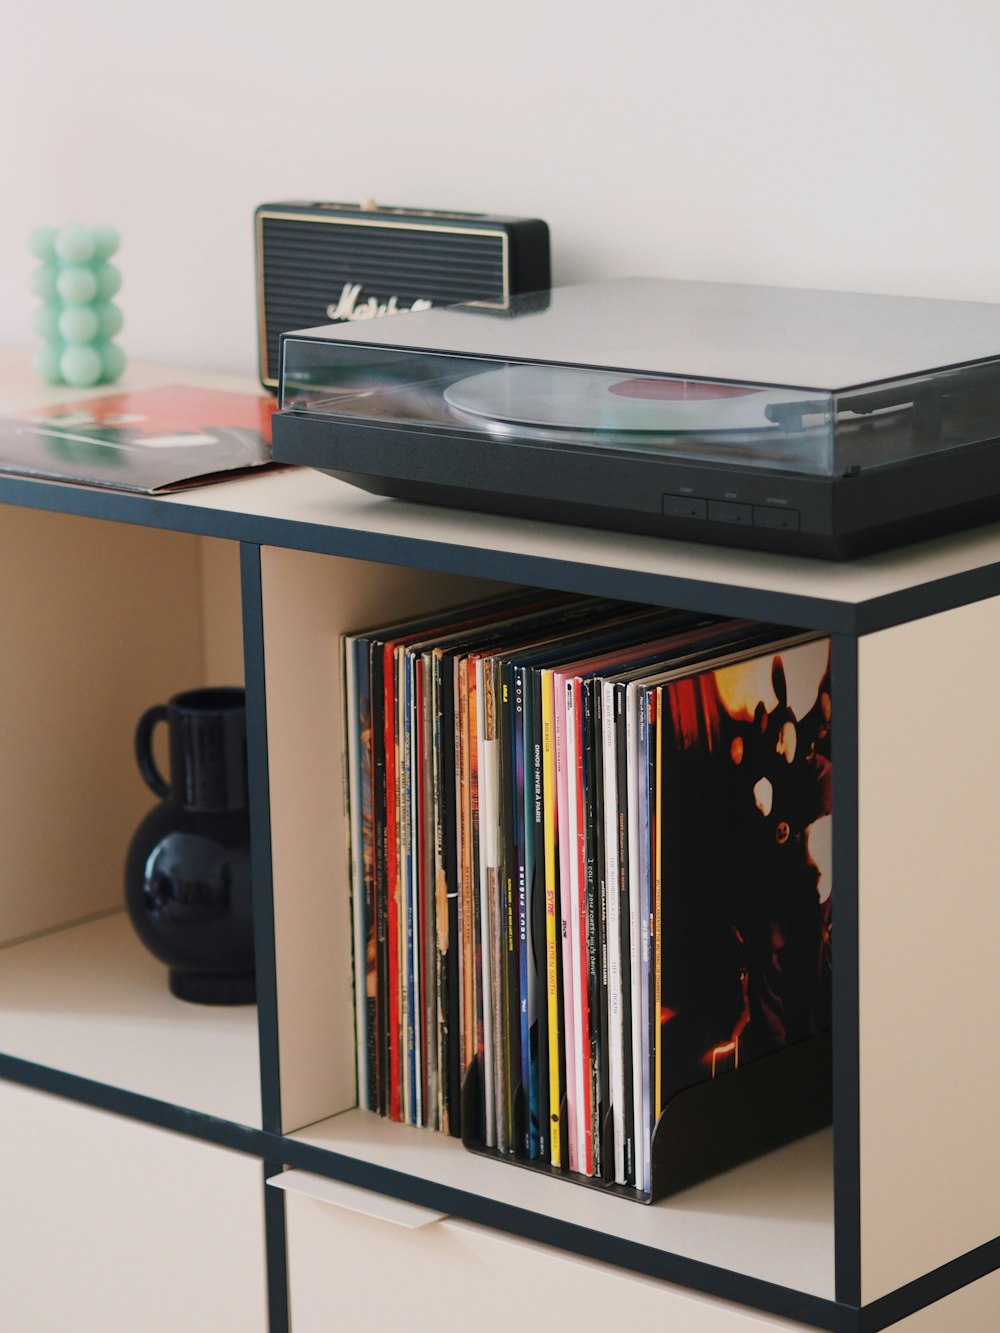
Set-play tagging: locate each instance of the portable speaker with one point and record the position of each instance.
(325, 263)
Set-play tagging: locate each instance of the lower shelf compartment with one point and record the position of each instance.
(770, 1219)
(89, 1000)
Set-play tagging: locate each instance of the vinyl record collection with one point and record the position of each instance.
(590, 860)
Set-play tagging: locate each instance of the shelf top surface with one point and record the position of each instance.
(89, 1000)
(300, 508)
(771, 1219)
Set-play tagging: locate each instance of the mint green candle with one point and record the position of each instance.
(77, 319)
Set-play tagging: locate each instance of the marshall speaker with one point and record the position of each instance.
(331, 263)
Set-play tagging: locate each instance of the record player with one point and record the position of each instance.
(823, 423)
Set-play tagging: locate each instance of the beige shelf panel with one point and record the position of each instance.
(99, 622)
(304, 496)
(110, 1226)
(308, 601)
(89, 1000)
(929, 915)
(771, 1219)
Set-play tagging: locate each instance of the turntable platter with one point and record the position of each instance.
(564, 398)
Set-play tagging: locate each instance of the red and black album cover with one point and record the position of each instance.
(148, 441)
(745, 847)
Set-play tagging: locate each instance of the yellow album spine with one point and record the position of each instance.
(551, 917)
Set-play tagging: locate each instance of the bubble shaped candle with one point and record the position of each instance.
(77, 319)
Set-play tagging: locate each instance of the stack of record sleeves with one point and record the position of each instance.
(590, 860)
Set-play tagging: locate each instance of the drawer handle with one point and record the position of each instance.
(355, 1200)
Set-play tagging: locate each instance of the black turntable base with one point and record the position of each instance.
(819, 423)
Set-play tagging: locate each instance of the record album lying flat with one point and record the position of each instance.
(821, 423)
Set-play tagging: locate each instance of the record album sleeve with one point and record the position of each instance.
(746, 867)
(150, 441)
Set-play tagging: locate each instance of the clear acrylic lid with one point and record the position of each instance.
(822, 383)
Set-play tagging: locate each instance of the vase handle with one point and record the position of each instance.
(144, 751)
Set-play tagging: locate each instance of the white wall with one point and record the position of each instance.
(840, 143)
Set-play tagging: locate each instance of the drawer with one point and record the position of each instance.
(109, 1226)
(356, 1256)
(412, 1268)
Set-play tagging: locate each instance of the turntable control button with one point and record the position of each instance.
(684, 506)
(724, 511)
(772, 516)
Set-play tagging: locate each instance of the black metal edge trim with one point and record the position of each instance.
(276, 1253)
(136, 1106)
(254, 668)
(446, 557)
(931, 1287)
(846, 1007)
(860, 618)
(543, 1229)
(946, 594)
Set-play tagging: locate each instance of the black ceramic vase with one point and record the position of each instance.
(187, 874)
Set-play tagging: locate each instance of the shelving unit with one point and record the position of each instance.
(890, 1220)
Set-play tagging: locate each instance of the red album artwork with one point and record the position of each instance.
(144, 440)
(746, 891)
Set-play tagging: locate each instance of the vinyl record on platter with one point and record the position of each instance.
(556, 398)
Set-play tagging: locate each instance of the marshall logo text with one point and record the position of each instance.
(349, 307)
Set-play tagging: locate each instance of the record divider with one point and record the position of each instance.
(705, 1129)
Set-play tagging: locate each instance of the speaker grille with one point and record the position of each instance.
(305, 266)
